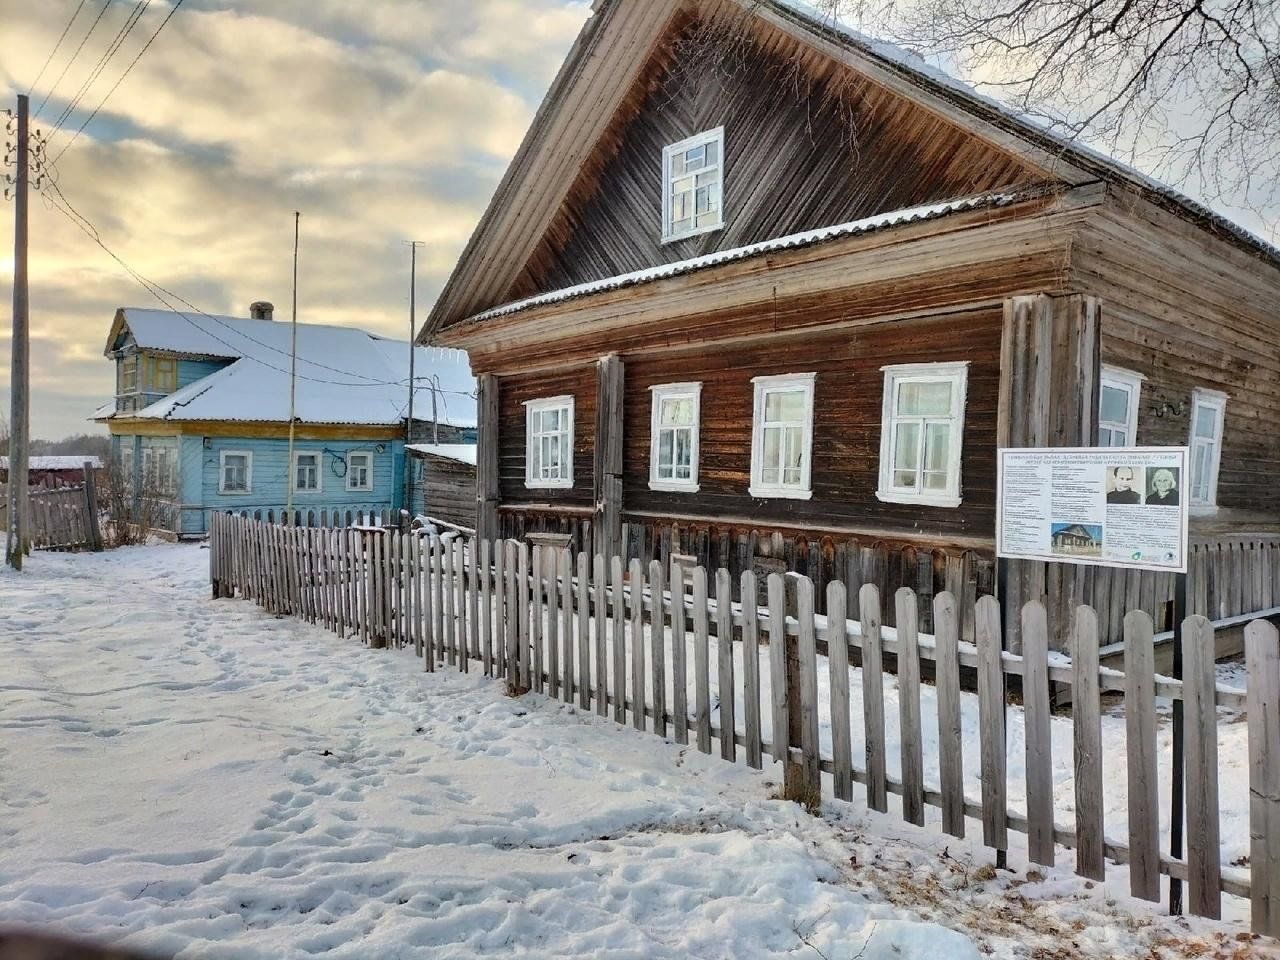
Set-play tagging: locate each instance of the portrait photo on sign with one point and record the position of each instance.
(1162, 486)
(1124, 484)
(1077, 539)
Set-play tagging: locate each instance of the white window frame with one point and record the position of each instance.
(955, 373)
(293, 471)
(1121, 379)
(222, 472)
(1215, 400)
(674, 391)
(787, 382)
(540, 405)
(715, 136)
(359, 488)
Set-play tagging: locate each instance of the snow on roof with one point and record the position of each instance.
(344, 375)
(807, 238)
(461, 452)
(918, 68)
(56, 463)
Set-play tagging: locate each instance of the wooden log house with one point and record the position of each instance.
(762, 292)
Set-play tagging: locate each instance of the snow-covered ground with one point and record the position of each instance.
(197, 778)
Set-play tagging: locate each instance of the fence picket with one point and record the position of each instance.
(679, 656)
(1204, 863)
(600, 621)
(619, 638)
(471, 571)
(838, 663)
(1086, 713)
(511, 622)
(909, 706)
(778, 665)
(537, 576)
(751, 670)
(523, 633)
(873, 696)
(657, 650)
(449, 613)
(724, 658)
(550, 559)
(565, 573)
(1039, 753)
(701, 662)
(1140, 756)
(583, 589)
(991, 723)
(637, 644)
(486, 605)
(807, 662)
(1262, 659)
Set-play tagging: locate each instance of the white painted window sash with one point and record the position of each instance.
(802, 383)
(536, 438)
(223, 488)
(1126, 431)
(1209, 448)
(660, 394)
(313, 471)
(895, 377)
(365, 461)
(716, 137)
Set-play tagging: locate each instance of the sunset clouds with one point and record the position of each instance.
(381, 121)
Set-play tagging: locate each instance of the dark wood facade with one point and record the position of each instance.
(444, 488)
(1069, 268)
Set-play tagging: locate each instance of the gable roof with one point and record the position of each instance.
(344, 375)
(615, 44)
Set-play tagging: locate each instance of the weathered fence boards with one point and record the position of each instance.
(630, 641)
(60, 518)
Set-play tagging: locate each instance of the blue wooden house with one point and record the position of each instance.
(200, 420)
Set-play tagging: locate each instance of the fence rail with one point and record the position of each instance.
(667, 649)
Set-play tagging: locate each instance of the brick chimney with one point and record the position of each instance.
(261, 310)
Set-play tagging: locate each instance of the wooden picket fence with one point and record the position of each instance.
(637, 645)
(61, 518)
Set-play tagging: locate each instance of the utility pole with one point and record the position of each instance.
(413, 332)
(290, 479)
(20, 385)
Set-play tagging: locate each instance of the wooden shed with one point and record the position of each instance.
(444, 482)
(762, 291)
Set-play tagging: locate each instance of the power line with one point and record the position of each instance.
(127, 69)
(67, 66)
(65, 207)
(54, 52)
(101, 65)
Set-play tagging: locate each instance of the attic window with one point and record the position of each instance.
(692, 186)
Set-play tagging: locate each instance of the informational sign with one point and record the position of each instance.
(1107, 506)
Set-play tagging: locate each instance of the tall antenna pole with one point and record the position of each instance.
(293, 375)
(413, 332)
(19, 412)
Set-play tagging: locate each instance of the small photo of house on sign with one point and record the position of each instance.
(1077, 539)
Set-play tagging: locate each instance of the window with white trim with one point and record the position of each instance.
(922, 433)
(360, 471)
(549, 442)
(1208, 414)
(673, 453)
(126, 461)
(235, 471)
(693, 185)
(1119, 396)
(129, 374)
(782, 436)
(306, 472)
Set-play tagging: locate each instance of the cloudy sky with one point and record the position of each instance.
(381, 121)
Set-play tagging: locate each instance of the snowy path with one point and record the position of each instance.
(202, 780)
